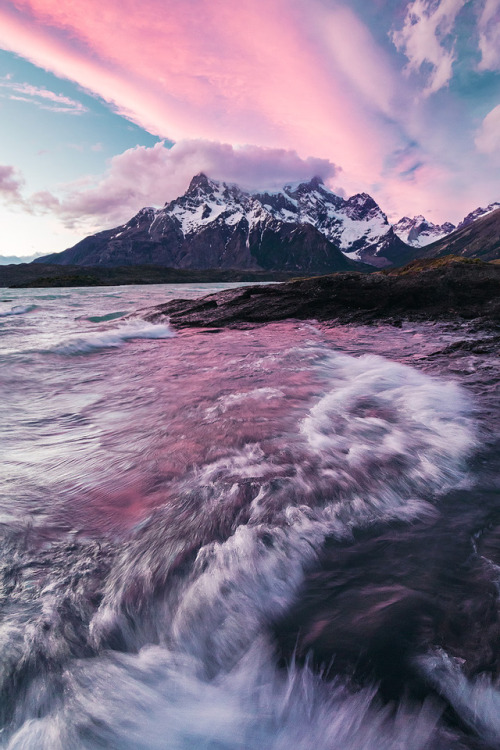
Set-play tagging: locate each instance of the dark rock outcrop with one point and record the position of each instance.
(446, 289)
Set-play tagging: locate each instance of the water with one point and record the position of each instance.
(281, 536)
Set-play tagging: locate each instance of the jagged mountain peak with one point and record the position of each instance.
(143, 216)
(362, 207)
(315, 182)
(308, 186)
(361, 198)
(363, 201)
(201, 182)
(419, 231)
(145, 212)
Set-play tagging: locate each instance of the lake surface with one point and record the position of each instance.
(283, 536)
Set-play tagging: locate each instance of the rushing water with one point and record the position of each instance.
(284, 536)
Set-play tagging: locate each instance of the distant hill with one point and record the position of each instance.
(35, 275)
(6, 260)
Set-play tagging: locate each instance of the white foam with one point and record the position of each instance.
(477, 701)
(112, 337)
(155, 700)
(17, 310)
(213, 680)
(379, 445)
(401, 430)
(226, 402)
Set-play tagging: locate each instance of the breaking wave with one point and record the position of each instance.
(390, 430)
(112, 338)
(249, 524)
(175, 633)
(17, 310)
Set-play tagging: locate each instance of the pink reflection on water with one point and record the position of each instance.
(128, 425)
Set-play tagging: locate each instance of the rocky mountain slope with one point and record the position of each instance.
(304, 228)
(477, 214)
(419, 232)
(479, 238)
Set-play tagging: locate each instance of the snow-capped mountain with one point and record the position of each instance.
(302, 227)
(355, 225)
(213, 225)
(477, 214)
(419, 232)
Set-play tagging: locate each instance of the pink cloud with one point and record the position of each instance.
(300, 75)
(488, 135)
(152, 176)
(11, 184)
(262, 73)
(353, 55)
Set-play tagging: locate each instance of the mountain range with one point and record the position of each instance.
(7, 260)
(302, 228)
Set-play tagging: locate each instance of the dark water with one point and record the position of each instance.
(280, 537)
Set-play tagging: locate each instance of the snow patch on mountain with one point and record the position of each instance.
(419, 232)
(344, 222)
(352, 225)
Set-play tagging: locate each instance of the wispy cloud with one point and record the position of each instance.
(488, 135)
(40, 97)
(426, 40)
(489, 35)
(11, 185)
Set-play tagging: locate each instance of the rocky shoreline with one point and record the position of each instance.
(449, 288)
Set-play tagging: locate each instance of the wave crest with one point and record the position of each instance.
(113, 337)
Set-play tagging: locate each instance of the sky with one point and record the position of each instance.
(107, 106)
